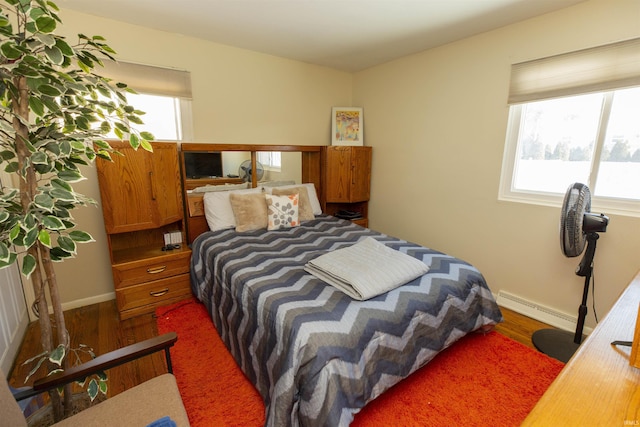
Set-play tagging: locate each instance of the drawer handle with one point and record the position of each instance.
(159, 293)
(156, 270)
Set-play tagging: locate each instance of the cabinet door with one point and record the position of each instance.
(140, 190)
(165, 184)
(338, 174)
(126, 190)
(360, 174)
(348, 174)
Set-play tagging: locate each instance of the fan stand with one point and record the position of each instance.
(560, 344)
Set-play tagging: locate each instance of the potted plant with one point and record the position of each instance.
(55, 111)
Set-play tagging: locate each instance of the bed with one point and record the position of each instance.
(316, 355)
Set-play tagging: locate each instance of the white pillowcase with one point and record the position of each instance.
(218, 210)
(313, 196)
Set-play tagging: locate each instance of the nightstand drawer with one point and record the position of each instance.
(143, 298)
(146, 270)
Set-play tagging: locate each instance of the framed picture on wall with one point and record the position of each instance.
(347, 126)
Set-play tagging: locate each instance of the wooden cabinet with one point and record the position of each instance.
(346, 180)
(142, 189)
(141, 201)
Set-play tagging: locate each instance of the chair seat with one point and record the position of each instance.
(137, 406)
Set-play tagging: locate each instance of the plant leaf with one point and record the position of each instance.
(33, 370)
(53, 223)
(58, 354)
(103, 387)
(45, 24)
(49, 90)
(45, 238)
(147, 135)
(39, 158)
(30, 237)
(44, 201)
(15, 232)
(81, 236)
(54, 55)
(57, 254)
(5, 253)
(28, 265)
(70, 176)
(146, 145)
(12, 258)
(67, 244)
(64, 195)
(36, 106)
(93, 389)
(9, 50)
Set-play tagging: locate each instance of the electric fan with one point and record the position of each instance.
(245, 172)
(578, 228)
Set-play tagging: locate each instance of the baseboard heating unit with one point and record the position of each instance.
(539, 312)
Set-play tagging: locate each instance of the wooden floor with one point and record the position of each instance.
(99, 327)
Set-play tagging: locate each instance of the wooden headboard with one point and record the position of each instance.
(194, 207)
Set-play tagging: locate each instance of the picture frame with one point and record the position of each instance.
(347, 126)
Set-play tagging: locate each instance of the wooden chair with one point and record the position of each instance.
(139, 406)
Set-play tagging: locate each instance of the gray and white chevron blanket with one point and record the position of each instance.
(315, 355)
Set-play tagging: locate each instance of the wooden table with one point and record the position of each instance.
(598, 386)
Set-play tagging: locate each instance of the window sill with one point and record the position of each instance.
(598, 204)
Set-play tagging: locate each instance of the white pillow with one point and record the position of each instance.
(218, 210)
(313, 196)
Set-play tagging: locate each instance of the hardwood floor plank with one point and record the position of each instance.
(518, 327)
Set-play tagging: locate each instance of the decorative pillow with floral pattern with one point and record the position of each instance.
(283, 211)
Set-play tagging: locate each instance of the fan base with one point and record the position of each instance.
(555, 343)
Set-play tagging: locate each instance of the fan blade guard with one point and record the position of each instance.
(577, 202)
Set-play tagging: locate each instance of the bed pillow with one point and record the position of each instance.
(249, 211)
(311, 193)
(283, 211)
(217, 208)
(305, 211)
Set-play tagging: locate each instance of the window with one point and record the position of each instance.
(270, 159)
(164, 95)
(558, 135)
(164, 116)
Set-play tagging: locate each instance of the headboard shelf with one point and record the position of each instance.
(191, 183)
(195, 219)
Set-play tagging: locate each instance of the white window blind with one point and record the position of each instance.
(597, 69)
(149, 79)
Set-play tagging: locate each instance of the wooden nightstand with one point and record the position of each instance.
(346, 178)
(141, 201)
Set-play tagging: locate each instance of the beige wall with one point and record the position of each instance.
(437, 123)
(238, 97)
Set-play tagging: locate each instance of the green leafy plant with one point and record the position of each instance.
(55, 113)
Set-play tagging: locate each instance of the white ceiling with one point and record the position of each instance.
(348, 35)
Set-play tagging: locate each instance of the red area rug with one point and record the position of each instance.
(482, 380)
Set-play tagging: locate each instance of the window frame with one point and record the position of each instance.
(507, 192)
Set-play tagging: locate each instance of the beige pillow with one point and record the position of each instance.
(249, 211)
(305, 211)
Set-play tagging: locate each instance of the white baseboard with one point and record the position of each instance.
(539, 312)
(88, 301)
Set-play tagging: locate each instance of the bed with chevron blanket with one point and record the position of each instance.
(315, 355)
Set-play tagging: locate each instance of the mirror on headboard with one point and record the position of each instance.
(282, 163)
